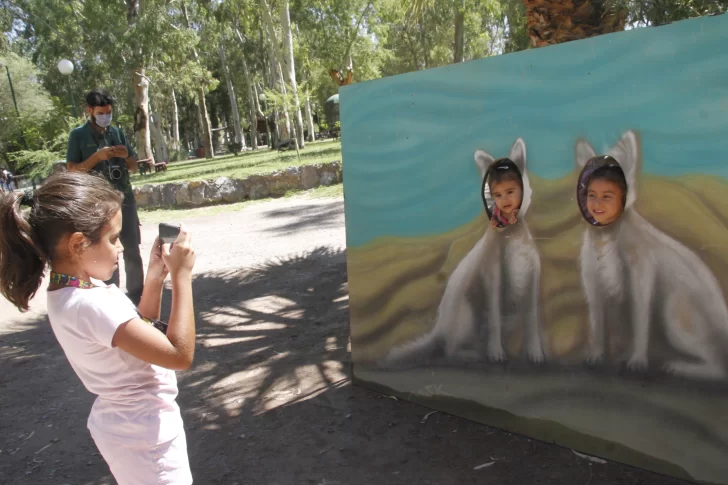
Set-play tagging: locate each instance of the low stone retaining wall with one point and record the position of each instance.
(198, 193)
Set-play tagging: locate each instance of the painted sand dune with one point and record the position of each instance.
(396, 283)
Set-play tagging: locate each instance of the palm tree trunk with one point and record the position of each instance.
(557, 21)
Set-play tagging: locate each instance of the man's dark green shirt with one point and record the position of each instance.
(84, 141)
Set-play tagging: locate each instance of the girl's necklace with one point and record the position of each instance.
(65, 281)
(60, 279)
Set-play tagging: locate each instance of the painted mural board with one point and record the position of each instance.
(538, 241)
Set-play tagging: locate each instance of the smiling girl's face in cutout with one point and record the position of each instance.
(605, 200)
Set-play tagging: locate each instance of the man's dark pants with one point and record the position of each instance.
(131, 239)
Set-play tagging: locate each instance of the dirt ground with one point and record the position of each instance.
(269, 400)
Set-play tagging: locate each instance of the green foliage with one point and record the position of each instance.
(660, 12)
(34, 163)
(32, 139)
(244, 165)
(177, 155)
(178, 49)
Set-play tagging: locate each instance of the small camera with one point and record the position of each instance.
(168, 232)
(115, 172)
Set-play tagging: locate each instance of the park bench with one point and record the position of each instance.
(145, 167)
(287, 145)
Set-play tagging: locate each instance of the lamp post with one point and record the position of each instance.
(12, 91)
(66, 68)
(15, 101)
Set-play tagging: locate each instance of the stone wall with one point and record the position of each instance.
(224, 190)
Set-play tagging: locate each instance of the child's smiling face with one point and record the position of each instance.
(604, 201)
(507, 195)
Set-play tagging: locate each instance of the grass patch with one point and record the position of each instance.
(155, 216)
(242, 166)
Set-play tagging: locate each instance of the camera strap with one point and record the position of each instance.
(65, 281)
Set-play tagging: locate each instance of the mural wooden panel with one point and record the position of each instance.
(538, 241)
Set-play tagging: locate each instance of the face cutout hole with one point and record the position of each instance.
(602, 191)
(502, 192)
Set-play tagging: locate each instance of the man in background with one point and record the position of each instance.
(98, 147)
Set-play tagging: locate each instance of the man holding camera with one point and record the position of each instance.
(101, 148)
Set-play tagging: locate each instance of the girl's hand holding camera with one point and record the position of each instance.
(179, 257)
(176, 349)
(157, 270)
(182, 259)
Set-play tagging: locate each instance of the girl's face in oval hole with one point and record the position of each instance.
(507, 195)
(604, 201)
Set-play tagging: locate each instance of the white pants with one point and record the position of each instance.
(164, 464)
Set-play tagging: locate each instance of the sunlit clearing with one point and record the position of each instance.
(268, 304)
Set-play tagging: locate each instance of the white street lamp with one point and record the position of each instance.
(66, 68)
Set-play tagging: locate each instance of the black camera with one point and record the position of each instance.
(115, 172)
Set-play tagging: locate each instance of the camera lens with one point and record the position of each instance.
(115, 173)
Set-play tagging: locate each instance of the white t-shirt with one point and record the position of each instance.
(136, 400)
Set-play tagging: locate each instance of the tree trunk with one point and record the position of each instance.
(141, 116)
(460, 32)
(413, 49)
(252, 97)
(175, 122)
(159, 142)
(554, 22)
(309, 120)
(261, 113)
(140, 84)
(239, 138)
(202, 106)
(288, 125)
(276, 77)
(253, 102)
(307, 112)
(288, 62)
(206, 128)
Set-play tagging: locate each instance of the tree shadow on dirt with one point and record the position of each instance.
(43, 410)
(269, 401)
(320, 216)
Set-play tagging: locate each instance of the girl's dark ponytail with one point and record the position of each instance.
(22, 261)
(32, 226)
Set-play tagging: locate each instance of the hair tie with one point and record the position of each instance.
(27, 199)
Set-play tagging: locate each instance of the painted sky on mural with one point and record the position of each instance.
(408, 141)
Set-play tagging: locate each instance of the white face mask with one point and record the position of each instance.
(102, 120)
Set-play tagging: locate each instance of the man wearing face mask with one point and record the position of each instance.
(98, 147)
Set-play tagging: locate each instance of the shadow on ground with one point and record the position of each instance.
(306, 217)
(269, 401)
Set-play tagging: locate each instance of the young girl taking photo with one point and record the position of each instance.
(120, 352)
